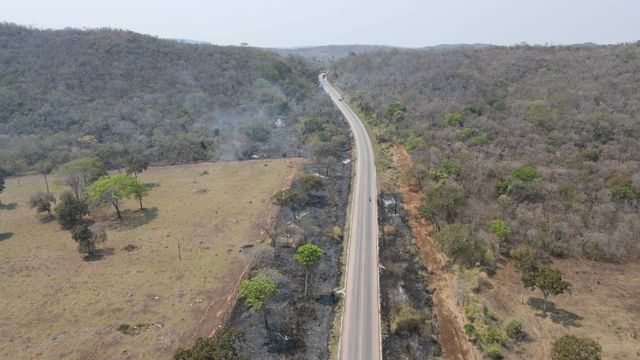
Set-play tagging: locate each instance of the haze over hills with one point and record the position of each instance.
(167, 100)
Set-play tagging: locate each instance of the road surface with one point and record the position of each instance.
(360, 335)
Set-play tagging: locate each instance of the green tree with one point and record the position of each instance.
(257, 290)
(441, 202)
(453, 119)
(525, 259)
(550, 282)
(135, 164)
(413, 142)
(623, 192)
(113, 189)
(88, 240)
(291, 200)
(221, 346)
(500, 229)
(461, 244)
(139, 191)
(80, 173)
(570, 347)
(70, 210)
(451, 169)
(311, 183)
(396, 111)
(308, 256)
(42, 202)
(525, 173)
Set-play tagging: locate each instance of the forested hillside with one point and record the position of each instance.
(72, 93)
(545, 140)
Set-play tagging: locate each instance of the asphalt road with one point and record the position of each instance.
(360, 336)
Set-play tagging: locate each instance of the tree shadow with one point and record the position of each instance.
(132, 219)
(46, 219)
(151, 185)
(557, 315)
(98, 254)
(11, 206)
(5, 236)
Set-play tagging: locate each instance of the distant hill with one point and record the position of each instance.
(329, 53)
(170, 101)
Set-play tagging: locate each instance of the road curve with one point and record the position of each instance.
(360, 335)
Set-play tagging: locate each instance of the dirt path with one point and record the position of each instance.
(450, 317)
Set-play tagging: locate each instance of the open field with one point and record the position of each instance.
(604, 305)
(57, 305)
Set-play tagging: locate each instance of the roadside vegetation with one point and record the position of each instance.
(512, 146)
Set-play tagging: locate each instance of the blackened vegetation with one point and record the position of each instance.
(408, 322)
(290, 324)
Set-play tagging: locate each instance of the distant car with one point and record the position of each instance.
(340, 99)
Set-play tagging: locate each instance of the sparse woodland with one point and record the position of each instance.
(521, 154)
(110, 93)
(545, 139)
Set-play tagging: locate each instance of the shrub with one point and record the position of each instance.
(500, 228)
(464, 134)
(451, 169)
(525, 173)
(453, 119)
(623, 192)
(461, 244)
(503, 187)
(70, 210)
(498, 105)
(407, 319)
(571, 347)
(513, 328)
(480, 140)
(440, 203)
(413, 142)
(493, 351)
(472, 109)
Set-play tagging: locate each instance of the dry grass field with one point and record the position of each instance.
(57, 305)
(604, 305)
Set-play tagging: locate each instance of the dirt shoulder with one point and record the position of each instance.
(450, 315)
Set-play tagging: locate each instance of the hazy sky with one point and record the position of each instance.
(287, 23)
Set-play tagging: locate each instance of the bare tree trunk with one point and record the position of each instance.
(115, 205)
(140, 199)
(306, 280)
(544, 309)
(46, 182)
(523, 289)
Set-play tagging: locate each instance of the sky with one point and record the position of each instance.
(292, 23)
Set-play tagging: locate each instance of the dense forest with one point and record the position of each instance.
(110, 93)
(513, 145)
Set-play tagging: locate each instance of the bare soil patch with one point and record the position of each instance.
(449, 314)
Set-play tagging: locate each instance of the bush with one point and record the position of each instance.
(493, 351)
(413, 142)
(406, 320)
(525, 173)
(221, 346)
(461, 244)
(513, 328)
(70, 210)
(503, 187)
(440, 203)
(498, 105)
(500, 228)
(480, 140)
(623, 192)
(571, 347)
(464, 134)
(451, 169)
(453, 119)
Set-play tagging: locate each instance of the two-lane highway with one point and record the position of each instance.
(360, 335)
